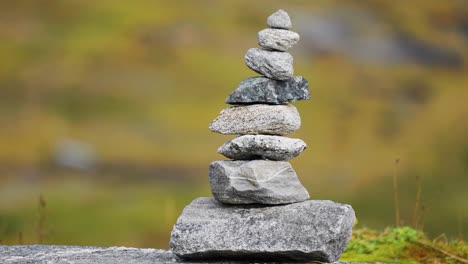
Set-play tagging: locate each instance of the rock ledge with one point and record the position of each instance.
(89, 255)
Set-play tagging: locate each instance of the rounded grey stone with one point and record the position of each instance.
(257, 119)
(273, 64)
(277, 39)
(256, 181)
(251, 147)
(306, 231)
(279, 19)
(267, 91)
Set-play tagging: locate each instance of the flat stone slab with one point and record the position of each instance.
(267, 91)
(254, 147)
(277, 39)
(256, 181)
(41, 254)
(83, 255)
(273, 64)
(257, 119)
(307, 231)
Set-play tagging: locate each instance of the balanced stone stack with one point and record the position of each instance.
(260, 210)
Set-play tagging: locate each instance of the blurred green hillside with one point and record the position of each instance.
(104, 109)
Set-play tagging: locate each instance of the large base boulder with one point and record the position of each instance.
(306, 231)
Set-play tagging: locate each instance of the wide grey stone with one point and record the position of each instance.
(307, 231)
(257, 119)
(37, 254)
(277, 39)
(268, 91)
(279, 19)
(273, 64)
(41, 254)
(256, 181)
(251, 147)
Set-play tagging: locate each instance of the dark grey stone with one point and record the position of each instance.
(251, 147)
(277, 39)
(264, 90)
(306, 231)
(257, 119)
(256, 181)
(41, 254)
(279, 19)
(273, 64)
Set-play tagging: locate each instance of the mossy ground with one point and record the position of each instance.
(403, 245)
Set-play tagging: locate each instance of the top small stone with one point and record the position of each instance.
(279, 19)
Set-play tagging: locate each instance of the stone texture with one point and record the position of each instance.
(35, 254)
(256, 181)
(264, 90)
(257, 119)
(273, 64)
(307, 231)
(277, 39)
(40, 254)
(252, 147)
(279, 19)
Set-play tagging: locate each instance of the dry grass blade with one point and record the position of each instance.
(395, 193)
(417, 211)
(445, 252)
(41, 228)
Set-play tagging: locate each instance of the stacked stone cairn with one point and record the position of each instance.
(260, 210)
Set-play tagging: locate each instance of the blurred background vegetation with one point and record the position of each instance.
(104, 108)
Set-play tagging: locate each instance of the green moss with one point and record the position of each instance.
(401, 245)
(370, 245)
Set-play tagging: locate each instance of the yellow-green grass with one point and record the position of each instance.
(82, 213)
(140, 82)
